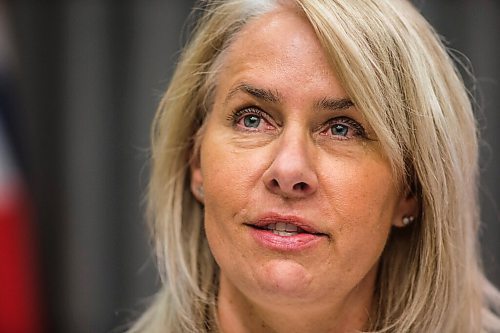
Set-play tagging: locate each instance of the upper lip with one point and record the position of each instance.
(269, 218)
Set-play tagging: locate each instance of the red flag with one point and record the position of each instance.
(19, 311)
(18, 300)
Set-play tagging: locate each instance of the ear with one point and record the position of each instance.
(408, 207)
(196, 178)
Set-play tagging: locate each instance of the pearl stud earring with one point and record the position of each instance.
(407, 220)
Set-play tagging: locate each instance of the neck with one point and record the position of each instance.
(239, 314)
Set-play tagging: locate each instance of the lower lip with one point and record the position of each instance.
(297, 242)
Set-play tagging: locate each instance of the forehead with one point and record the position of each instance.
(280, 50)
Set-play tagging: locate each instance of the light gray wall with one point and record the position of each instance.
(92, 72)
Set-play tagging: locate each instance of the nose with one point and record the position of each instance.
(291, 173)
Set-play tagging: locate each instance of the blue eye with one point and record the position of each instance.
(339, 130)
(343, 128)
(251, 121)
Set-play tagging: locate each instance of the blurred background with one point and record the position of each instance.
(79, 84)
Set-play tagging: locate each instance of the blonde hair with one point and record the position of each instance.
(398, 73)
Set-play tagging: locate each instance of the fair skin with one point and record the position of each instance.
(283, 143)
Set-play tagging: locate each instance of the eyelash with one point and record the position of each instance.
(238, 114)
(353, 125)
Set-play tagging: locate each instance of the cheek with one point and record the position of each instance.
(230, 176)
(361, 191)
(362, 201)
(231, 170)
(228, 179)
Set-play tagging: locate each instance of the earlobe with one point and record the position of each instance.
(197, 180)
(407, 211)
(195, 166)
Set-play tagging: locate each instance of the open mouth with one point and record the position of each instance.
(283, 229)
(285, 233)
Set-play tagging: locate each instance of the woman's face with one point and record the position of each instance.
(299, 199)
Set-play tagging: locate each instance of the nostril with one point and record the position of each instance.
(290, 189)
(300, 186)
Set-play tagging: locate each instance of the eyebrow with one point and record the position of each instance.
(334, 104)
(266, 95)
(270, 96)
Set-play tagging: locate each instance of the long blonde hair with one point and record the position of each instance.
(398, 73)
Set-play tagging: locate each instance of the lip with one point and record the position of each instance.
(265, 220)
(309, 238)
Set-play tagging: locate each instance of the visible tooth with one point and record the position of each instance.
(271, 226)
(284, 233)
(281, 226)
(291, 227)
